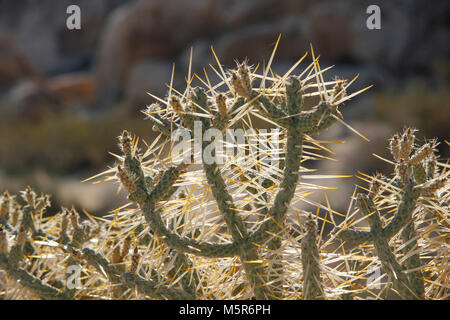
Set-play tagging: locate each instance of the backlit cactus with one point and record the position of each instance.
(201, 229)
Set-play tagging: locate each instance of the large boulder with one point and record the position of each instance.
(146, 29)
(256, 41)
(40, 31)
(243, 13)
(11, 62)
(31, 99)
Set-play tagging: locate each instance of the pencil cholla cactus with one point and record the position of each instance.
(211, 222)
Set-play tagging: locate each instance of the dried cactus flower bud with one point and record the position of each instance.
(158, 177)
(311, 226)
(431, 166)
(221, 104)
(4, 205)
(375, 186)
(238, 86)
(402, 171)
(43, 203)
(176, 105)
(74, 218)
(339, 90)
(394, 147)
(126, 246)
(134, 260)
(77, 254)
(15, 215)
(432, 186)
(125, 179)
(21, 237)
(64, 223)
(421, 154)
(125, 143)
(3, 242)
(30, 196)
(406, 143)
(244, 74)
(116, 254)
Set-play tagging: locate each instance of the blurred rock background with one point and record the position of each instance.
(66, 94)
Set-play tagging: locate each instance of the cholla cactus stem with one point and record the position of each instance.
(312, 284)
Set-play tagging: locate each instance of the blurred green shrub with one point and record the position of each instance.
(418, 105)
(63, 143)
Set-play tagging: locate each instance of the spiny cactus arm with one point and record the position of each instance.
(147, 202)
(316, 119)
(404, 212)
(186, 119)
(327, 121)
(153, 289)
(185, 244)
(225, 202)
(356, 236)
(294, 96)
(357, 267)
(269, 110)
(413, 262)
(388, 260)
(43, 290)
(239, 103)
(312, 285)
(190, 280)
(247, 252)
(241, 82)
(102, 264)
(277, 212)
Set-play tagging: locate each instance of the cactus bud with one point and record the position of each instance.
(432, 186)
(339, 90)
(30, 197)
(125, 143)
(221, 104)
(431, 166)
(21, 237)
(15, 215)
(74, 218)
(43, 203)
(4, 205)
(406, 143)
(421, 154)
(126, 246)
(176, 105)
(375, 186)
(244, 74)
(116, 255)
(3, 242)
(311, 226)
(134, 260)
(394, 147)
(64, 222)
(238, 87)
(125, 180)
